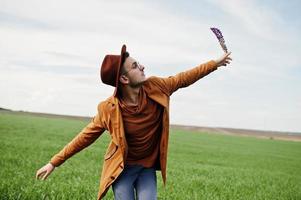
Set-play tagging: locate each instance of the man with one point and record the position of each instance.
(137, 118)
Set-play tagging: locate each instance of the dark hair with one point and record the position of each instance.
(125, 55)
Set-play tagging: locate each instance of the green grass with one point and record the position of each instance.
(200, 165)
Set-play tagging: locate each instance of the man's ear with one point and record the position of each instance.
(123, 79)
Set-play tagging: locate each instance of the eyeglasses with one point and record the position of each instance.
(135, 65)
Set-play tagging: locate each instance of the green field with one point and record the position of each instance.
(200, 165)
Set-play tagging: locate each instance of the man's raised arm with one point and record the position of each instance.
(184, 79)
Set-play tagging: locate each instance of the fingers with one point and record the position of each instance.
(45, 175)
(227, 55)
(224, 60)
(225, 63)
(40, 173)
(227, 59)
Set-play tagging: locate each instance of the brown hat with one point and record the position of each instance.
(110, 69)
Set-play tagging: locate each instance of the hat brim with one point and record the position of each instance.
(122, 54)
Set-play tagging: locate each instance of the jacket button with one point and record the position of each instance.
(112, 177)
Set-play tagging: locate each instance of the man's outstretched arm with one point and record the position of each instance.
(86, 137)
(184, 79)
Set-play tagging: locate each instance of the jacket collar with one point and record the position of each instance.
(154, 95)
(114, 100)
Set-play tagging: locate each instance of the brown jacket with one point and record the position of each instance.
(109, 118)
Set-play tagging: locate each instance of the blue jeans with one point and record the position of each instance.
(136, 178)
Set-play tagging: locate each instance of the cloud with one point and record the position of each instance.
(254, 17)
(12, 20)
(51, 54)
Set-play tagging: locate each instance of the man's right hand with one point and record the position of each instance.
(45, 171)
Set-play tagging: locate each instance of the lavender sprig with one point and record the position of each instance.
(220, 38)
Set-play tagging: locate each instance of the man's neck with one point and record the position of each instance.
(130, 95)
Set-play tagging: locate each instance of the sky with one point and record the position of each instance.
(51, 52)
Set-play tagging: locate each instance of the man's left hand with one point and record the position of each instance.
(224, 60)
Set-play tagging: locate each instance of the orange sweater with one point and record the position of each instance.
(143, 127)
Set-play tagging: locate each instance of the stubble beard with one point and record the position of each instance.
(137, 84)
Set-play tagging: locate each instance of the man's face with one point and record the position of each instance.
(133, 71)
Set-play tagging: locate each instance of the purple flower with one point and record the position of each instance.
(220, 38)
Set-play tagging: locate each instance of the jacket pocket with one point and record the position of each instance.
(111, 151)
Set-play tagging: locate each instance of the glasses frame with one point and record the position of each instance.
(137, 66)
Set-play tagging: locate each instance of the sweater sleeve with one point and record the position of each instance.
(86, 137)
(184, 79)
